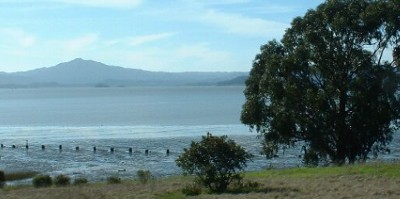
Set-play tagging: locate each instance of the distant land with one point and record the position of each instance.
(83, 73)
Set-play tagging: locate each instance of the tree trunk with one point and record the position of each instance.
(343, 137)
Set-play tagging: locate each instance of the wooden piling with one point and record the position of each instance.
(130, 150)
(167, 151)
(94, 149)
(112, 149)
(13, 146)
(60, 147)
(2, 146)
(77, 148)
(146, 152)
(43, 147)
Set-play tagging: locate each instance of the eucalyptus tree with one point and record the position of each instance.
(331, 84)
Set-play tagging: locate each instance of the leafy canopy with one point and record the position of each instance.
(331, 84)
(216, 161)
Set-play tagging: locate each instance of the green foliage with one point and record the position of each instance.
(21, 175)
(193, 189)
(172, 195)
(247, 187)
(114, 180)
(377, 169)
(144, 176)
(2, 179)
(80, 181)
(42, 181)
(62, 180)
(2, 176)
(215, 161)
(326, 85)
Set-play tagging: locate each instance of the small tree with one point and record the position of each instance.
(215, 161)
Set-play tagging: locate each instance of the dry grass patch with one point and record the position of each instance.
(126, 189)
(377, 180)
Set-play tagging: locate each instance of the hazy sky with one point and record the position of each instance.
(156, 35)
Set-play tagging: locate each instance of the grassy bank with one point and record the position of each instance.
(375, 180)
(19, 175)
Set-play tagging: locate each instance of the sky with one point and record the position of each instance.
(156, 35)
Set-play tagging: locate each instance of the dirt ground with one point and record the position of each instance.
(335, 187)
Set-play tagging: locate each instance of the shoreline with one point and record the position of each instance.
(97, 165)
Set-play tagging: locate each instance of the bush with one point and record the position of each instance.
(62, 180)
(2, 176)
(113, 180)
(192, 190)
(2, 179)
(42, 181)
(144, 176)
(216, 161)
(20, 175)
(80, 181)
(241, 188)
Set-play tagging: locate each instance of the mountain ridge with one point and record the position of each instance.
(80, 72)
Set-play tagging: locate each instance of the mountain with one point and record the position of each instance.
(237, 81)
(80, 72)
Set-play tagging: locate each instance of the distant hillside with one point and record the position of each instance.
(79, 72)
(237, 81)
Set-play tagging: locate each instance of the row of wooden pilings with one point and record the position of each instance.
(60, 147)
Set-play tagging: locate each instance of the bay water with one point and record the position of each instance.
(156, 119)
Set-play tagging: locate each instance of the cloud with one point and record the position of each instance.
(18, 36)
(80, 44)
(200, 50)
(90, 3)
(104, 3)
(221, 2)
(274, 9)
(243, 25)
(139, 40)
(202, 57)
(193, 57)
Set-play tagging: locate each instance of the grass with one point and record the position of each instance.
(375, 180)
(371, 169)
(20, 175)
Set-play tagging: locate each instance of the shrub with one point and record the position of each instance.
(2, 178)
(20, 175)
(193, 189)
(62, 180)
(42, 181)
(144, 176)
(113, 180)
(216, 161)
(246, 187)
(80, 181)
